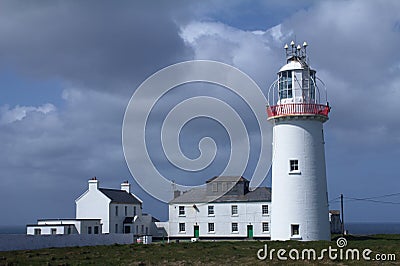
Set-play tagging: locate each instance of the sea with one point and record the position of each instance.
(352, 228)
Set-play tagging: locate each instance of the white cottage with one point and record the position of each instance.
(102, 211)
(119, 210)
(237, 214)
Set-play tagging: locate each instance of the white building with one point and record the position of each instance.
(102, 211)
(299, 199)
(237, 214)
(64, 227)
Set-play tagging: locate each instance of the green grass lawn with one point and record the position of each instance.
(200, 253)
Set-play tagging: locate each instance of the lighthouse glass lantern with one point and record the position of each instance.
(298, 107)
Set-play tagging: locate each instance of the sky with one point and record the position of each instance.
(69, 68)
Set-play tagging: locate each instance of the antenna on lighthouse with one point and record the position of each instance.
(286, 47)
(292, 45)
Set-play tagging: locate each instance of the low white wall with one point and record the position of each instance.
(24, 242)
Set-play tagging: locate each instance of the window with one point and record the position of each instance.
(147, 231)
(210, 210)
(137, 229)
(295, 229)
(211, 227)
(234, 209)
(224, 186)
(134, 210)
(69, 230)
(126, 210)
(89, 230)
(264, 209)
(116, 210)
(116, 228)
(235, 227)
(181, 210)
(142, 229)
(182, 227)
(53, 231)
(294, 165)
(38, 231)
(96, 230)
(285, 85)
(215, 187)
(265, 227)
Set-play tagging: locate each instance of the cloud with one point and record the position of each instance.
(96, 44)
(101, 52)
(19, 112)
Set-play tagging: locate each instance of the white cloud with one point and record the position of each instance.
(18, 113)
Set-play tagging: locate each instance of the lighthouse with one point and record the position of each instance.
(298, 107)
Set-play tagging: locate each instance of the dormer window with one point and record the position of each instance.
(285, 85)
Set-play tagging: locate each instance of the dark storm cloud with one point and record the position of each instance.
(100, 44)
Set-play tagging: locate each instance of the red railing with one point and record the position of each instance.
(291, 109)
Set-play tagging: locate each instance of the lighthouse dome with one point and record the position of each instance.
(292, 65)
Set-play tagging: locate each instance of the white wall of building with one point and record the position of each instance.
(64, 226)
(93, 204)
(249, 213)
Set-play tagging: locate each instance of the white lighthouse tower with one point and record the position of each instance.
(299, 190)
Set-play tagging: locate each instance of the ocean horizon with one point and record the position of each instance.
(355, 228)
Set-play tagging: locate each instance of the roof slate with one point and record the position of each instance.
(199, 195)
(119, 196)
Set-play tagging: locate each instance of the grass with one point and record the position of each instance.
(199, 253)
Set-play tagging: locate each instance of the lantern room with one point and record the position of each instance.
(296, 87)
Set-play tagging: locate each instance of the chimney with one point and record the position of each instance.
(126, 186)
(177, 193)
(93, 184)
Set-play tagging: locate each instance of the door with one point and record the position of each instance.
(249, 231)
(196, 231)
(127, 229)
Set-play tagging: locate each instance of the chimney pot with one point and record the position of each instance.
(126, 186)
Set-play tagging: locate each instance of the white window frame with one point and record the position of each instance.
(234, 213)
(213, 227)
(233, 226)
(211, 210)
(292, 230)
(180, 225)
(293, 164)
(262, 209)
(181, 211)
(263, 227)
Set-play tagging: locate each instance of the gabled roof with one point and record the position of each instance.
(120, 196)
(227, 178)
(199, 195)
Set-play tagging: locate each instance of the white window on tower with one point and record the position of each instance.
(294, 165)
(295, 229)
